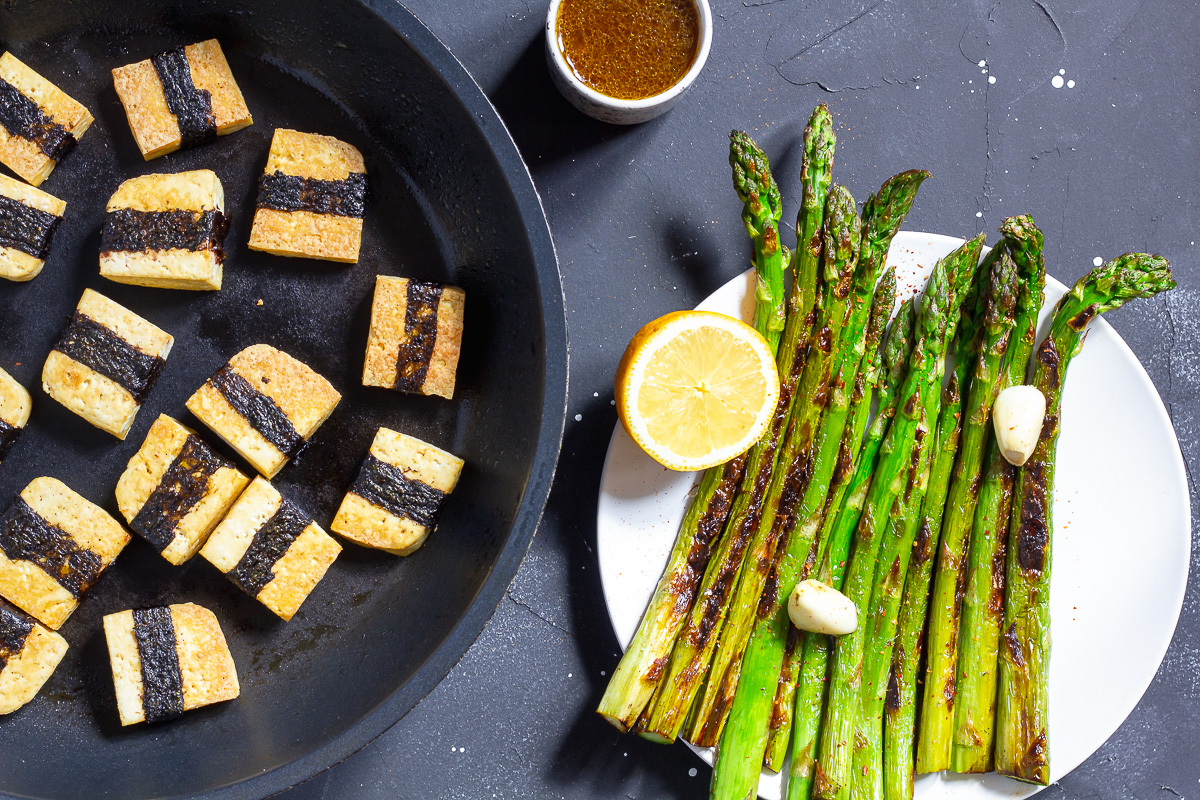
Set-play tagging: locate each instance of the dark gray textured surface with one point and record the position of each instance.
(645, 222)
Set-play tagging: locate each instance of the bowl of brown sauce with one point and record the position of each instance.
(626, 61)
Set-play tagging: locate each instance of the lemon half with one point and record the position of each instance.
(695, 388)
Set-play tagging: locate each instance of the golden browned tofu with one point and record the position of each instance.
(415, 336)
(168, 660)
(15, 407)
(270, 549)
(105, 363)
(28, 219)
(54, 545)
(29, 653)
(200, 101)
(310, 198)
(166, 231)
(39, 123)
(176, 489)
(395, 501)
(265, 404)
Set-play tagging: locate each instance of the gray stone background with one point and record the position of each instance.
(646, 222)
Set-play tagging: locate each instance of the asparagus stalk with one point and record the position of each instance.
(694, 646)
(779, 731)
(857, 462)
(949, 581)
(939, 311)
(842, 234)
(983, 604)
(900, 707)
(995, 327)
(885, 211)
(1022, 737)
(637, 675)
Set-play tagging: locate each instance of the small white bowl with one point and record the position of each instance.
(611, 109)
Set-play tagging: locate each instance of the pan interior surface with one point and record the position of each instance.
(448, 201)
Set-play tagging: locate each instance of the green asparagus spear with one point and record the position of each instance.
(857, 462)
(1022, 735)
(688, 661)
(869, 376)
(762, 664)
(995, 327)
(900, 708)
(949, 580)
(983, 604)
(637, 675)
(950, 279)
(842, 234)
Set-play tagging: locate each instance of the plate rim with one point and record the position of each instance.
(1159, 409)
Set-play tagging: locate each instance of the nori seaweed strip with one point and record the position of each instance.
(23, 118)
(8, 435)
(26, 228)
(256, 567)
(259, 410)
(98, 347)
(192, 107)
(183, 485)
(162, 682)
(128, 230)
(25, 536)
(389, 488)
(420, 335)
(15, 627)
(344, 198)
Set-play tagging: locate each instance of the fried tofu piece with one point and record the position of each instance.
(208, 104)
(270, 549)
(395, 501)
(15, 407)
(176, 489)
(415, 336)
(54, 545)
(28, 219)
(265, 404)
(29, 654)
(310, 198)
(166, 231)
(105, 363)
(39, 123)
(168, 660)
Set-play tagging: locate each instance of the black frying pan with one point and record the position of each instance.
(449, 200)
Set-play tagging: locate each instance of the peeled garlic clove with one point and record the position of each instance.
(815, 607)
(1017, 417)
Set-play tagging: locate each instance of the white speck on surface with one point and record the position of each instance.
(1062, 72)
(979, 213)
(918, 86)
(579, 417)
(570, 674)
(602, 673)
(692, 772)
(1070, 84)
(1097, 261)
(991, 78)
(612, 402)
(1057, 82)
(595, 394)
(983, 62)
(453, 749)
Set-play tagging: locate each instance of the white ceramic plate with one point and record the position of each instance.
(1120, 514)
